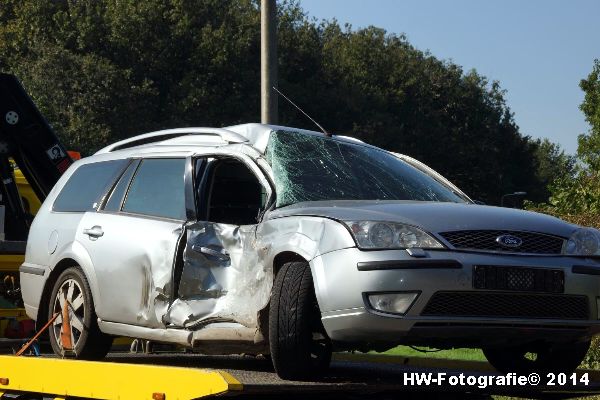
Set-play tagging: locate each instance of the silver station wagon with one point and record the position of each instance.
(279, 241)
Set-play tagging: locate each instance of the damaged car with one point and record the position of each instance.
(271, 240)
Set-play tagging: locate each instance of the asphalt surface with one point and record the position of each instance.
(364, 377)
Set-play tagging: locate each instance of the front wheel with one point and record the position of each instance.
(300, 347)
(547, 357)
(88, 342)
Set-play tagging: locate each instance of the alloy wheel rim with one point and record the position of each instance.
(70, 291)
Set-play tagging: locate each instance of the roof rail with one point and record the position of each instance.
(152, 137)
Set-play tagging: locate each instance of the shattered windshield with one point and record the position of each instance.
(311, 168)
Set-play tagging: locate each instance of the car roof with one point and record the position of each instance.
(250, 139)
(202, 138)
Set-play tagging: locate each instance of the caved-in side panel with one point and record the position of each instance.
(306, 236)
(224, 277)
(228, 270)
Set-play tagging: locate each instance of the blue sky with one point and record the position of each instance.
(538, 50)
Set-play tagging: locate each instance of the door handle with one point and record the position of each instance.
(94, 232)
(221, 254)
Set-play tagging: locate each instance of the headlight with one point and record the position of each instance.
(583, 242)
(389, 235)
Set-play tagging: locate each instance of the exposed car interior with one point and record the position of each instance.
(234, 195)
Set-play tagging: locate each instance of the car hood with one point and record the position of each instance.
(431, 216)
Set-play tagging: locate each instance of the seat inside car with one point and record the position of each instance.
(235, 195)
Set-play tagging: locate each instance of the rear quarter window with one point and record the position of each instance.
(85, 188)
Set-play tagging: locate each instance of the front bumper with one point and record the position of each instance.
(348, 319)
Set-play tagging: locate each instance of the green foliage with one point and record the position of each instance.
(101, 71)
(592, 359)
(105, 70)
(552, 164)
(589, 145)
(579, 193)
(575, 196)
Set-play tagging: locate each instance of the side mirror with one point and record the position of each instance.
(479, 202)
(519, 196)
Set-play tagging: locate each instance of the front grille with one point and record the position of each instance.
(507, 305)
(533, 243)
(522, 279)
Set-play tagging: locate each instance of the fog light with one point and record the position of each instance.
(397, 303)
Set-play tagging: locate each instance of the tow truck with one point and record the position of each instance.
(32, 159)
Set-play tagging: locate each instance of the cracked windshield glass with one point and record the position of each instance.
(312, 168)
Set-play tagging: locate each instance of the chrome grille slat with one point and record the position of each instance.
(533, 242)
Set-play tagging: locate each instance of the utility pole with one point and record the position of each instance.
(268, 61)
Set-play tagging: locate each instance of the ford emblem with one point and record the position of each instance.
(509, 241)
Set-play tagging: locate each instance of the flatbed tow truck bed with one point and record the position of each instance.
(170, 376)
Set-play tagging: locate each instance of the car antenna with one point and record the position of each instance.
(302, 111)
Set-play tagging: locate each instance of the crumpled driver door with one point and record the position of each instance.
(222, 279)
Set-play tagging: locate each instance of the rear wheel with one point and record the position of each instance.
(300, 347)
(88, 342)
(549, 357)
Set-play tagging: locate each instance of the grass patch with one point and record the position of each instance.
(453, 354)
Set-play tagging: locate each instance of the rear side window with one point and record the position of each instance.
(116, 197)
(85, 188)
(158, 189)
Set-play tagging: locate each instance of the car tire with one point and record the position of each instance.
(300, 347)
(89, 343)
(550, 357)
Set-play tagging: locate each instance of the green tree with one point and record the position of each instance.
(589, 144)
(105, 70)
(579, 193)
(552, 164)
(378, 87)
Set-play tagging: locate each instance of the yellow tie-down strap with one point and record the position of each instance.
(106, 380)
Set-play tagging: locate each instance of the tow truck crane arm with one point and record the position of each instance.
(29, 140)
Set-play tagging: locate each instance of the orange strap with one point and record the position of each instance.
(37, 335)
(65, 334)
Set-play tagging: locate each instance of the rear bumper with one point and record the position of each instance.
(33, 278)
